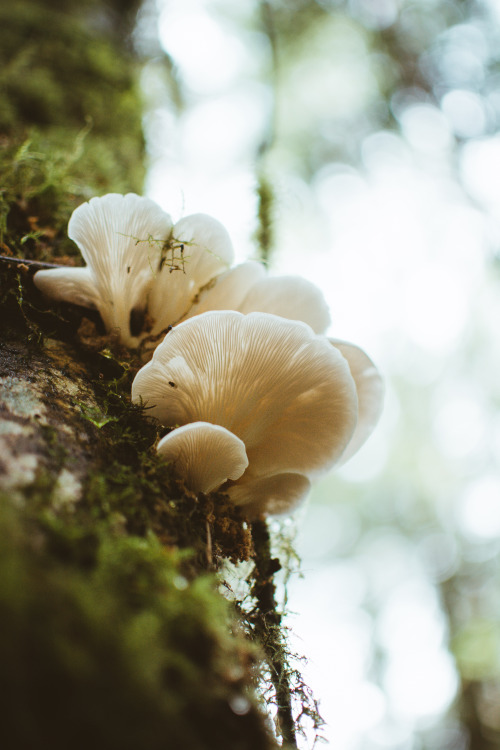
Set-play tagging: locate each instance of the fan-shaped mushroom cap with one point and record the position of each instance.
(115, 235)
(205, 455)
(290, 297)
(286, 392)
(199, 250)
(276, 495)
(370, 390)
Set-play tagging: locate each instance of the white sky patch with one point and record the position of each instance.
(209, 58)
(338, 653)
(225, 130)
(480, 167)
(426, 128)
(421, 683)
(411, 619)
(479, 509)
(461, 422)
(465, 112)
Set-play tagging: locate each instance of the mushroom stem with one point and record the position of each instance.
(267, 624)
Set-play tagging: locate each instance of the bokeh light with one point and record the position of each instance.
(377, 125)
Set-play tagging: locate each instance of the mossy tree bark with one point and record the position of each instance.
(113, 632)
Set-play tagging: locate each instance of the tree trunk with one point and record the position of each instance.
(113, 631)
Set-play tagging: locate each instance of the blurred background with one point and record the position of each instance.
(356, 142)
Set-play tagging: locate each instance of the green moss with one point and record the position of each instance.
(60, 67)
(42, 183)
(105, 643)
(70, 117)
(134, 481)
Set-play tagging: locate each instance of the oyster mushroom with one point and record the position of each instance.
(139, 266)
(205, 455)
(284, 391)
(114, 234)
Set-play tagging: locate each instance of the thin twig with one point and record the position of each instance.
(267, 622)
(31, 264)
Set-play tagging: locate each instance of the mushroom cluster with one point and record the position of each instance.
(257, 401)
(144, 273)
(259, 405)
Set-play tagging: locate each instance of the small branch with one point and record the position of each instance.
(267, 622)
(25, 264)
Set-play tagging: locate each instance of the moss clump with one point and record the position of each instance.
(63, 68)
(70, 117)
(106, 643)
(131, 480)
(38, 194)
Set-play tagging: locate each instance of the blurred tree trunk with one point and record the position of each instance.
(111, 634)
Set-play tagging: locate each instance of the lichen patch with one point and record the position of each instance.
(9, 427)
(20, 398)
(67, 491)
(17, 470)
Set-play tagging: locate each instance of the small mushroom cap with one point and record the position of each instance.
(290, 297)
(276, 495)
(205, 455)
(200, 249)
(115, 234)
(283, 390)
(370, 390)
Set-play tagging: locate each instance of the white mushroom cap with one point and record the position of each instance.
(200, 250)
(247, 288)
(286, 392)
(290, 297)
(205, 455)
(230, 288)
(279, 494)
(114, 234)
(370, 390)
